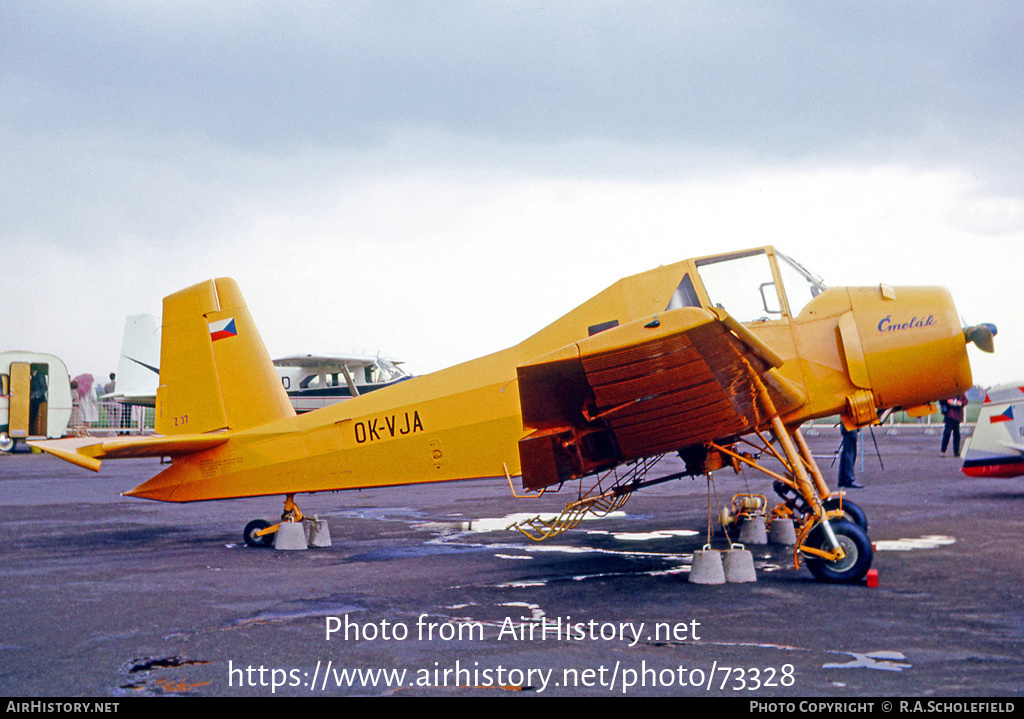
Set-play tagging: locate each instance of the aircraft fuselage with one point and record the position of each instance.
(849, 351)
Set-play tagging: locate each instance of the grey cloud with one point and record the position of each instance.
(779, 78)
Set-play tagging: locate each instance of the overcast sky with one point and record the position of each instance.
(439, 180)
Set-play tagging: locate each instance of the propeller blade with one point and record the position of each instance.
(981, 335)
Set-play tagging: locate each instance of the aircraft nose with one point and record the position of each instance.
(981, 335)
(913, 345)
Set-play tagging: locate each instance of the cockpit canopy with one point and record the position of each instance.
(750, 287)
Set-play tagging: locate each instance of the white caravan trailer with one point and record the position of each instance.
(35, 398)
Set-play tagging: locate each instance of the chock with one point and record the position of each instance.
(872, 578)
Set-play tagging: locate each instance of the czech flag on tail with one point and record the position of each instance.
(222, 328)
(1006, 416)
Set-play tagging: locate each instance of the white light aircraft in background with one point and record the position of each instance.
(312, 381)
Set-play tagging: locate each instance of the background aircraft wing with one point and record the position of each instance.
(329, 360)
(684, 378)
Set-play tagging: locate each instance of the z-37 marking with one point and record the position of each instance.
(374, 429)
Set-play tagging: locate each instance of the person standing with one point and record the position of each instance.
(113, 406)
(848, 459)
(952, 416)
(38, 389)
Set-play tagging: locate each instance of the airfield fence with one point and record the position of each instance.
(895, 424)
(110, 418)
(116, 418)
(897, 420)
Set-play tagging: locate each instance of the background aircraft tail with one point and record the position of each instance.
(138, 370)
(215, 372)
(997, 449)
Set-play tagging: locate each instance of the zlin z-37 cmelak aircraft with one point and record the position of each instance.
(705, 358)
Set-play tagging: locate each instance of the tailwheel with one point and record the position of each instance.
(252, 535)
(850, 511)
(857, 553)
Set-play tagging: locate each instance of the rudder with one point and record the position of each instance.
(215, 372)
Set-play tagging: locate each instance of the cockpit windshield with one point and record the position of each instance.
(383, 371)
(744, 285)
(801, 285)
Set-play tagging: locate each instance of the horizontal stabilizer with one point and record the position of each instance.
(89, 451)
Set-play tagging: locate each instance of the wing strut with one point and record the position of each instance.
(799, 460)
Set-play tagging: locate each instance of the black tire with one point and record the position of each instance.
(851, 511)
(254, 540)
(850, 569)
(7, 442)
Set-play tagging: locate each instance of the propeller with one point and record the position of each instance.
(981, 335)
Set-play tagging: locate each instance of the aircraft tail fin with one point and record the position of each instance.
(138, 370)
(215, 372)
(995, 449)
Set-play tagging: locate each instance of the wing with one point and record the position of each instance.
(313, 361)
(89, 451)
(662, 384)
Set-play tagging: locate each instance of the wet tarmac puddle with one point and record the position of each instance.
(457, 536)
(142, 679)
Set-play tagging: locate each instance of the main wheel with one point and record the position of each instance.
(852, 511)
(7, 442)
(252, 538)
(856, 546)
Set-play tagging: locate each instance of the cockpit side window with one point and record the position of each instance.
(684, 296)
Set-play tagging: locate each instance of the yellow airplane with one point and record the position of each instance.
(719, 359)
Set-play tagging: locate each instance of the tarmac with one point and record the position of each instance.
(425, 592)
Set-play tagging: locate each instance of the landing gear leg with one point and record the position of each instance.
(260, 532)
(837, 556)
(852, 565)
(831, 501)
(833, 539)
(291, 512)
(830, 539)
